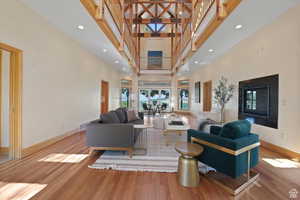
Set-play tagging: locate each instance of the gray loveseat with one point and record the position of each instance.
(113, 131)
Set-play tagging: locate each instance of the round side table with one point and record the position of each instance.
(188, 171)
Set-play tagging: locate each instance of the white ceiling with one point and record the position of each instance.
(252, 14)
(66, 15)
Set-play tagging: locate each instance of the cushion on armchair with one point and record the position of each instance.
(215, 130)
(236, 129)
(224, 142)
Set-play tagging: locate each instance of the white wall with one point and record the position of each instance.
(156, 44)
(275, 49)
(5, 99)
(61, 80)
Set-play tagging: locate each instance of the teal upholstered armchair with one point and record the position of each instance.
(231, 149)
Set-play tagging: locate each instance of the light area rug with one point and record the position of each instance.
(160, 155)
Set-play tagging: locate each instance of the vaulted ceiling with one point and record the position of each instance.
(156, 19)
(188, 24)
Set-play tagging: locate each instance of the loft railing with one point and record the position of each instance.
(121, 21)
(110, 16)
(128, 45)
(201, 12)
(206, 16)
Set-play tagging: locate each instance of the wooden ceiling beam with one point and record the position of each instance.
(162, 1)
(165, 10)
(143, 11)
(155, 34)
(91, 7)
(170, 13)
(187, 8)
(147, 10)
(216, 22)
(157, 21)
(224, 10)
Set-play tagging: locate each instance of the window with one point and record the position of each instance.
(183, 95)
(164, 97)
(251, 100)
(125, 98)
(154, 27)
(183, 99)
(154, 97)
(143, 99)
(125, 101)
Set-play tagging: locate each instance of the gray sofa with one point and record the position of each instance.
(113, 131)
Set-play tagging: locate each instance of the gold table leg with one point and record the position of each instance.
(188, 171)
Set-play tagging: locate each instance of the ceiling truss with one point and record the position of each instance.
(188, 23)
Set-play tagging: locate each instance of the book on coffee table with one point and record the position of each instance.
(176, 123)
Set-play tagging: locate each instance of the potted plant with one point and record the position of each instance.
(222, 95)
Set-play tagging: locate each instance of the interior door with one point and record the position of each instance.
(104, 96)
(207, 96)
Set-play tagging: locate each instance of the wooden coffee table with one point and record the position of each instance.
(188, 171)
(175, 129)
(178, 129)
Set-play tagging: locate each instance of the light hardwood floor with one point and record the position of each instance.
(61, 171)
(3, 158)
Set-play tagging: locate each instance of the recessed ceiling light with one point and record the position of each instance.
(104, 50)
(196, 62)
(180, 12)
(239, 26)
(210, 50)
(80, 27)
(117, 61)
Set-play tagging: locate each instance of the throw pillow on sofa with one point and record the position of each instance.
(131, 116)
(110, 118)
(122, 115)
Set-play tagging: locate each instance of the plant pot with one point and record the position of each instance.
(222, 115)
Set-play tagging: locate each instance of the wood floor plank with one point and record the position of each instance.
(77, 181)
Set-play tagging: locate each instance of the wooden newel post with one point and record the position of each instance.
(221, 10)
(100, 10)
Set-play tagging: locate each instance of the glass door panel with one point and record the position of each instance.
(165, 100)
(125, 98)
(153, 98)
(183, 100)
(143, 99)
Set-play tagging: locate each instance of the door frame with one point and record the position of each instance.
(15, 99)
(104, 82)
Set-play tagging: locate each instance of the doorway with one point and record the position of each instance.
(104, 97)
(10, 101)
(153, 97)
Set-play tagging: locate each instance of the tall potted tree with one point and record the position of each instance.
(222, 95)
